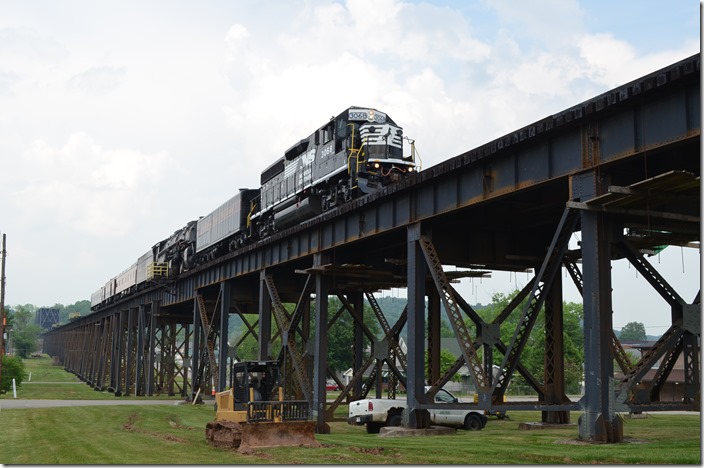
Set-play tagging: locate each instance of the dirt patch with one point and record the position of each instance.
(254, 452)
(175, 422)
(369, 451)
(132, 420)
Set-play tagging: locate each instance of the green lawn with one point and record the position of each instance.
(52, 382)
(174, 434)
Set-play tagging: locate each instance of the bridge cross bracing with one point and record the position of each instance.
(622, 169)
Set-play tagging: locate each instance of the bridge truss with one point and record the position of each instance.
(622, 169)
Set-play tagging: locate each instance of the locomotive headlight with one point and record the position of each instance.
(410, 169)
(377, 165)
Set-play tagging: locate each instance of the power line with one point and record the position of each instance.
(3, 253)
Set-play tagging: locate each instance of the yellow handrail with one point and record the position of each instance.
(249, 215)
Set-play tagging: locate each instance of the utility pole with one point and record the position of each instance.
(2, 303)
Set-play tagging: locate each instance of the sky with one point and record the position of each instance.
(120, 121)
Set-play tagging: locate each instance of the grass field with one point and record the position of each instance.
(174, 434)
(51, 382)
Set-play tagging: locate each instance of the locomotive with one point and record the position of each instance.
(355, 153)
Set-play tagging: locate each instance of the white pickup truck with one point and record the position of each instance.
(379, 412)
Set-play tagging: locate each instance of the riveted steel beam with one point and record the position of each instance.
(599, 421)
(320, 357)
(447, 297)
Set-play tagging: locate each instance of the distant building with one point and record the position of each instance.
(673, 388)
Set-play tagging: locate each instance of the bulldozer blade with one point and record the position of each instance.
(269, 434)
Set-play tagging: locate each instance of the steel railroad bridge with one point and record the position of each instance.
(623, 169)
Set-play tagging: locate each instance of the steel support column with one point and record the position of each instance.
(692, 369)
(416, 270)
(599, 421)
(103, 348)
(320, 357)
(195, 361)
(358, 347)
(264, 317)
(225, 298)
(151, 352)
(86, 355)
(130, 351)
(139, 378)
(121, 351)
(554, 374)
(186, 359)
(114, 352)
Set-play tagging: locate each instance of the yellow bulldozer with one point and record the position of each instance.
(254, 414)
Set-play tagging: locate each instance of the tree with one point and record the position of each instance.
(12, 368)
(340, 335)
(633, 331)
(447, 360)
(25, 333)
(533, 355)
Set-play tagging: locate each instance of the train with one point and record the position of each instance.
(357, 152)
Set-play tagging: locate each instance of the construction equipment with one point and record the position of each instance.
(254, 414)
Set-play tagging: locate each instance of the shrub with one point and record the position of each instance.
(12, 368)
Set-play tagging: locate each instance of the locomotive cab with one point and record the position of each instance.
(381, 151)
(355, 153)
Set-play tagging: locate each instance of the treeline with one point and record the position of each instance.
(23, 331)
(80, 307)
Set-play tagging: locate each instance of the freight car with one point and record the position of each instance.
(355, 153)
(227, 228)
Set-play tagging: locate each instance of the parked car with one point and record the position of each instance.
(331, 386)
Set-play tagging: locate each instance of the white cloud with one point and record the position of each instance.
(7, 81)
(98, 80)
(116, 139)
(612, 62)
(26, 45)
(543, 24)
(92, 190)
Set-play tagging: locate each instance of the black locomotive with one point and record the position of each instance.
(357, 152)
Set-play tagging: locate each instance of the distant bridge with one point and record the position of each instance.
(623, 168)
